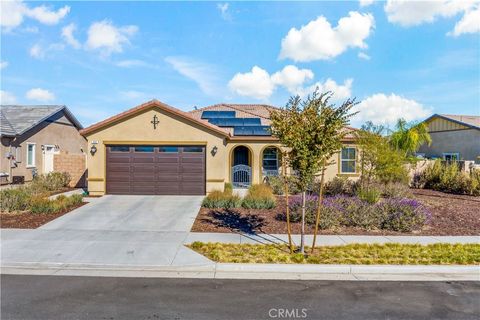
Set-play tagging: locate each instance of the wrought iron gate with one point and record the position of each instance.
(241, 176)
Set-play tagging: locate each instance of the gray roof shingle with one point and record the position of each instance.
(17, 119)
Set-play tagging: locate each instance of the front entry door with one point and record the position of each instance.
(48, 154)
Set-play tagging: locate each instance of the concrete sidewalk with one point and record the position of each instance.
(324, 240)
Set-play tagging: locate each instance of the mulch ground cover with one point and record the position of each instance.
(27, 220)
(452, 215)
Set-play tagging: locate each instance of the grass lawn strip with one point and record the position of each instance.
(390, 253)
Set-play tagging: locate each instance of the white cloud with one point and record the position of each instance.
(319, 41)
(292, 78)
(13, 13)
(202, 74)
(46, 16)
(7, 97)
(340, 91)
(256, 84)
(132, 63)
(223, 7)
(386, 109)
(259, 84)
(107, 38)
(38, 51)
(363, 55)
(67, 35)
(3, 64)
(470, 23)
(413, 13)
(366, 3)
(39, 94)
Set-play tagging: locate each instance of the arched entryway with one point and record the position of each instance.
(241, 167)
(271, 162)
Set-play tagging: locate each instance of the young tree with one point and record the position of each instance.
(378, 159)
(311, 131)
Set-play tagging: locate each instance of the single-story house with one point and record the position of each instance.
(454, 137)
(158, 149)
(38, 140)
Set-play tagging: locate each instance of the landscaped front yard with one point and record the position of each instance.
(450, 214)
(29, 206)
(391, 253)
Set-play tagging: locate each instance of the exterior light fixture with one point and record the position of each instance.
(214, 151)
(93, 148)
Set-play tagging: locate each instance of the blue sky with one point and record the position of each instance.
(100, 58)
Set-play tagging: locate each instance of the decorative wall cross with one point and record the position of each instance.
(155, 122)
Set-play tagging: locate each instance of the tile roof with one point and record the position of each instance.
(261, 111)
(471, 121)
(17, 119)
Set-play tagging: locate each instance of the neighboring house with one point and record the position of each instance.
(40, 139)
(454, 137)
(157, 149)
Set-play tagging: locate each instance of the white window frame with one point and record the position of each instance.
(33, 163)
(354, 161)
(457, 154)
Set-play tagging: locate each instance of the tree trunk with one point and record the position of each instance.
(319, 206)
(289, 228)
(302, 235)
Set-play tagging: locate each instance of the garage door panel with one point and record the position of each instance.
(119, 160)
(170, 173)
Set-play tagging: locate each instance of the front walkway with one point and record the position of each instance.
(110, 231)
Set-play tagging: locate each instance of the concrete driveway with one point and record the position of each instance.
(111, 231)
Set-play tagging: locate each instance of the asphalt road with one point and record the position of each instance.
(58, 297)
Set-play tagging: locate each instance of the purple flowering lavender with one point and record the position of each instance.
(396, 214)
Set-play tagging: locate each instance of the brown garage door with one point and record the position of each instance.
(174, 170)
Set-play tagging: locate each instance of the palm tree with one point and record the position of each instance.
(408, 137)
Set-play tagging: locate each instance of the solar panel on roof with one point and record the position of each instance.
(251, 131)
(235, 122)
(217, 114)
(252, 122)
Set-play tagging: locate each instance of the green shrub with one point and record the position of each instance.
(448, 177)
(259, 196)
(277, 184)
(50, 182)
(228, 188)
(219, 199)
(61, 203)
(41, 205)
(340, 185)
(369, 194)
(396, 190)
(15, 199)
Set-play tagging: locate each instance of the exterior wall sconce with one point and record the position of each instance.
(93, 148)
(214, 151)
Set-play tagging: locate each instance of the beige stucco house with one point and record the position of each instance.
(158, 149)
(454, 137)
(38, 140)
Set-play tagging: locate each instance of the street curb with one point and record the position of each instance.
(259, 271)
